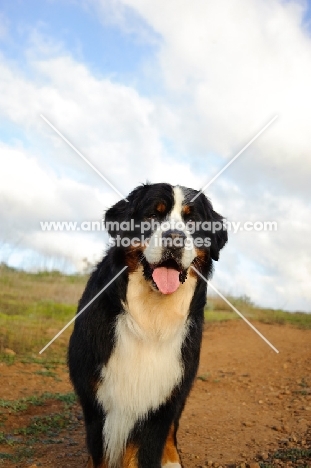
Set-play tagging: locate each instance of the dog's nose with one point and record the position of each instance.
(177, 238)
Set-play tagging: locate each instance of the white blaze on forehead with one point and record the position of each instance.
(177, 222)
(178, 203)
(154, 250)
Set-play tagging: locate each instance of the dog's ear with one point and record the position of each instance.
(124, 210)
(219, 237)
(218, 234)
(115, 215)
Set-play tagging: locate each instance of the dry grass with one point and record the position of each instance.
(218, 310)
(35, 306)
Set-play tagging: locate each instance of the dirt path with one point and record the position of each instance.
(247, 403)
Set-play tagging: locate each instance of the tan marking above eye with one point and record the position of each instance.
(161, 207)
(186, 209)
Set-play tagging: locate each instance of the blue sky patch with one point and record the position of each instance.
(103, 47)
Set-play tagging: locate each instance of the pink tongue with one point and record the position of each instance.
(167, 279)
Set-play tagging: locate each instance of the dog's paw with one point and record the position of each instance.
(171, 465)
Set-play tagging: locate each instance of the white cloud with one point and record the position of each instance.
(117, 13)
(227, 69)
(111, 124)
(30, 193)
(231, 67)
(41, 178)
(222, 70)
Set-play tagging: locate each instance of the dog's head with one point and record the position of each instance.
(161, 228)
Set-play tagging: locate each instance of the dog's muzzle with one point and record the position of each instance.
(168, 273)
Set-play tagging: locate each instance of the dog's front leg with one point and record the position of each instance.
(152, 443)
(170, 457)
(90, 464)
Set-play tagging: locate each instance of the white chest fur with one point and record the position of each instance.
(146, 362)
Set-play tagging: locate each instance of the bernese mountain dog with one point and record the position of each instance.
(134, 351)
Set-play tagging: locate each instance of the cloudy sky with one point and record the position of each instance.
(166, 90)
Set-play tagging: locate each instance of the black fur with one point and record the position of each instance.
(93, 339)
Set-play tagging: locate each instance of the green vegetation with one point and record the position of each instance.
(203, 377)
(20, 454)
(43, 429)
(293, 454)
(218, 310)
(299, 456)
(35, 306)
(50, 425)
(24, 403)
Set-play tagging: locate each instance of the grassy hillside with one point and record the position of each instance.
(35, 306)
(218, 310)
